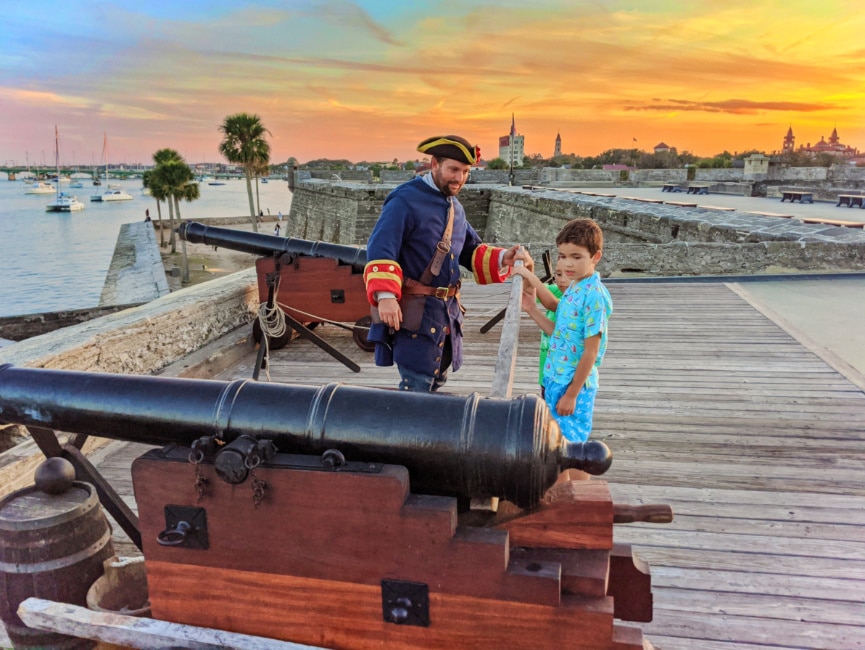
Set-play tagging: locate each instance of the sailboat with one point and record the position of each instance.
(64, 202)
(114, 192)
(96, 181)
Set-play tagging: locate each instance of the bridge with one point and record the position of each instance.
(42, 172)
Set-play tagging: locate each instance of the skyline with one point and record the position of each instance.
(368, 80)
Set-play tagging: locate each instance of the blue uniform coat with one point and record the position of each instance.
(412, 222)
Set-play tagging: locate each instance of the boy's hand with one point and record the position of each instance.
(567, 404)
(526, 274)
(529, 300)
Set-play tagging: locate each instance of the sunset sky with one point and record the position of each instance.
(369, 79)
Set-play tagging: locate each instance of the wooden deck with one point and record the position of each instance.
(709, 406)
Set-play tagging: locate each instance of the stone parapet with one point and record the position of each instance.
(136, 272)
(501, 214)
(145, 339)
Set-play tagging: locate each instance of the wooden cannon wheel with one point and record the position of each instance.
(360, 334)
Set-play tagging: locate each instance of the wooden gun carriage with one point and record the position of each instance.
(339, 516)
(309, 281)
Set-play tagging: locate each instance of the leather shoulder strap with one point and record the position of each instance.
(442, 248)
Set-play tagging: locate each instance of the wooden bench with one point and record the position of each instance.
(698, 189)
(834, 222)
(721, 208)
(681, 204)
(671, 187)
(851, 200)
(800, 195)
(773, 214)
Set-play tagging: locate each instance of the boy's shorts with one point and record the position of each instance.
(578, 426)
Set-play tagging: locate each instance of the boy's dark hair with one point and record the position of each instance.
(582, 232)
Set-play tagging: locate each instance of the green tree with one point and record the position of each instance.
(243, 144)
(497, 163)
(149, 182)
(172, 178)
(158, 189)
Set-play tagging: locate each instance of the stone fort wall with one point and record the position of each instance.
(653, 239)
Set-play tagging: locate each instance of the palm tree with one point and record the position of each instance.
(159, 191)
(171, 177)
(148, 181)
(243, 144)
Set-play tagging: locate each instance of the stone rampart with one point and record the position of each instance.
(658, 176)
(503, 176)
(396, 175)
(558, 177)
(343, 213)
(508, 215)
(136, 272)
(724, 175)
(145, 339)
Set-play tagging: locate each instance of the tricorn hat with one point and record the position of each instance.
(450, 146)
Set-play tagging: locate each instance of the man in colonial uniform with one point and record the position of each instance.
(413, 276)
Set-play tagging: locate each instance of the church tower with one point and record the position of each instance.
(833, 139)
(558, 149)
(789, 141)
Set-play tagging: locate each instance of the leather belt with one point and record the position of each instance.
(443, 293)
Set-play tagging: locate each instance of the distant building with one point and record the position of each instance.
(833, 147)
(557, 151)
(789, 141)
(512, 146)
(661, 147)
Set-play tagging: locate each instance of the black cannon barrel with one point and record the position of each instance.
(264, 245)
(455, 445)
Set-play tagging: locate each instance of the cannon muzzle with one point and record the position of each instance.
(453, 445)
(266, 245)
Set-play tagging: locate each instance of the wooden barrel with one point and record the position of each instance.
(51, 546)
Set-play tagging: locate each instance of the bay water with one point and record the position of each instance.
(54, 261)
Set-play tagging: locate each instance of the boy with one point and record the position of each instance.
(579, 335)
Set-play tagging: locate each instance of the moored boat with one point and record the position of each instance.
(64, 203)
(112, 194)
(40, 188)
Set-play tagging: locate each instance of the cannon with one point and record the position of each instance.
(310, 281)
(340, 516)
(459, 446)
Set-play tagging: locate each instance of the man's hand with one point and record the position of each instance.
(518, 253)
(390, 313)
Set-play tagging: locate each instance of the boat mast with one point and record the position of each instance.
(57, 160)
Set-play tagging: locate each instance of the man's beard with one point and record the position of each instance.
(445, 188)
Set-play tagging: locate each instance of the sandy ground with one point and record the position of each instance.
(205, 263)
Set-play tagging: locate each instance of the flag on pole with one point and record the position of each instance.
(635, 139)
(513, 127)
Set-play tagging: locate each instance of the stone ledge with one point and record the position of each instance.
(147, 338)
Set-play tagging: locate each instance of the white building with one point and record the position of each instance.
(512, 147)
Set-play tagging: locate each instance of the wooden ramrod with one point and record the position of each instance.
(452, 445)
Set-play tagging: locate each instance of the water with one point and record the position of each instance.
(54, 261)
